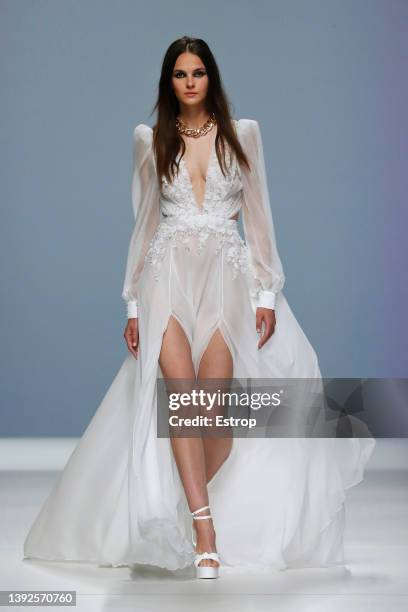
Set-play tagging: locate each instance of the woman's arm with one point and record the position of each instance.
(257, 219)
(146, 209)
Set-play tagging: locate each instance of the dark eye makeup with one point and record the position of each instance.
(180, 73)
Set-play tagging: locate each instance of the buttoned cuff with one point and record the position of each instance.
(266, 299)
(132, 309)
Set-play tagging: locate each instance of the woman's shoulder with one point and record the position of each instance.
(143, 131)
(248, 131)
(245, 128)
(246, 124)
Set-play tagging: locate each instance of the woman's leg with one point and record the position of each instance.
(216, 363)
(176, 363)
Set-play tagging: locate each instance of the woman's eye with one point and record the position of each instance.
(199, 73)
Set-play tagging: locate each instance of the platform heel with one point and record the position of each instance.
(204, 571)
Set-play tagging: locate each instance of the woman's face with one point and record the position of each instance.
(190, 75)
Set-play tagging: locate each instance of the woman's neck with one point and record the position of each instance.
(193, 118)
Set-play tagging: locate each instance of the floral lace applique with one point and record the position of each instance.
(180, 230)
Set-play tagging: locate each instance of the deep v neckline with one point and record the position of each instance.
(200, 207)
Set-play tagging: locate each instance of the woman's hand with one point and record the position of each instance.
(266, 315)
(131, 336)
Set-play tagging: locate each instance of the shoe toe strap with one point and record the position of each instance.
(205, 555)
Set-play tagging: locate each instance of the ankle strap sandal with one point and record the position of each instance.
(204, 571)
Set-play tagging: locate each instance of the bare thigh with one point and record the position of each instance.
(175, 357)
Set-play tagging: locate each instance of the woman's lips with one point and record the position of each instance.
(190, 94)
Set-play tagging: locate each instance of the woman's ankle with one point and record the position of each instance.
(206, 535)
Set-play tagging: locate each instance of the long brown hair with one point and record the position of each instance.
(167, 141)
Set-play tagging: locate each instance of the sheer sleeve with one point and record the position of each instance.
(146, 209)
(257, 219)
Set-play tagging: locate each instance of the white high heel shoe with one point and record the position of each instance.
(204, 571)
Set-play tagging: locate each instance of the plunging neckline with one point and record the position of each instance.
(200, 207)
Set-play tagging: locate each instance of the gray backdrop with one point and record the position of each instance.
(326, 81)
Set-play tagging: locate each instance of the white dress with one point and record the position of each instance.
(276, 502)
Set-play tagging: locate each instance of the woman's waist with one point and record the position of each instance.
(199, 220)
(193, 230)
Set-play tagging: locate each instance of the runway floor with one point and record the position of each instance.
(375, 577)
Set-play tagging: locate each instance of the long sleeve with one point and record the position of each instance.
(145, 202)
(257, 219)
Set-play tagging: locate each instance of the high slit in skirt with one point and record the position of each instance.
(276, 502)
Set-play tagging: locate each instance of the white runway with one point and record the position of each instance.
(375, 577)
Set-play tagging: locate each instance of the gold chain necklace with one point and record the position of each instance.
(196, 132)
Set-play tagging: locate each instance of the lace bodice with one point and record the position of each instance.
(169, 212)
(222, 194)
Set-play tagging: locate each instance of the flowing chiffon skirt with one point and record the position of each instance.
(276, 502)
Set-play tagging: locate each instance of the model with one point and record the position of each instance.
(202, 304)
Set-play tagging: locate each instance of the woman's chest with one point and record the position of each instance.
(218, 189)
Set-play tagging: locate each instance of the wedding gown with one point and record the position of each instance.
(276, 502)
